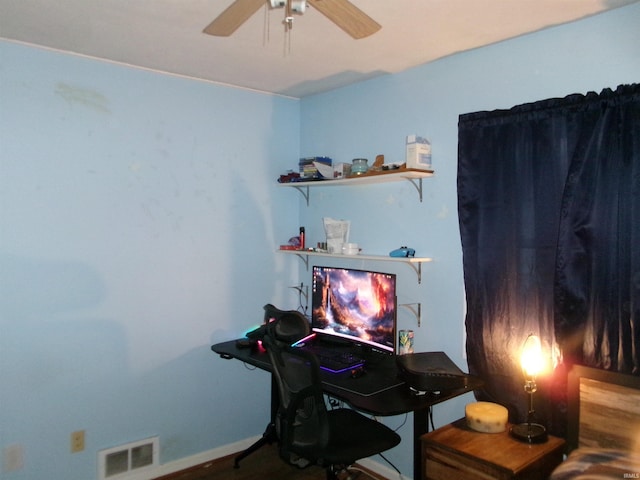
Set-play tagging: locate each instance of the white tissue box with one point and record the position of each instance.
(418, 153)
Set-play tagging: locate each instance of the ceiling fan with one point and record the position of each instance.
(341, 12)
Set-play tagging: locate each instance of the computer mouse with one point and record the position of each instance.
(245, 343)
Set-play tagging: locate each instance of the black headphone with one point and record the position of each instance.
(286, 326)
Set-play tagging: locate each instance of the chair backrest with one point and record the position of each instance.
(286, 326)
(302, 423)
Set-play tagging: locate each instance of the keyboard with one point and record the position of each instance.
(334, 359)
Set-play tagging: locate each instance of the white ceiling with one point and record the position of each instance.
(166, 35)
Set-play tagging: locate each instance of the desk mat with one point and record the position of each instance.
(368, 384)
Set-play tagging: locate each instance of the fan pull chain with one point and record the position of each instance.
(288, 26)
(266, 35)
(287, 42)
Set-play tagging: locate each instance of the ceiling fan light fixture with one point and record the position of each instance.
(343, 13)
(298, 6)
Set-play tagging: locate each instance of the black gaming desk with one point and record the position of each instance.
(379, 392)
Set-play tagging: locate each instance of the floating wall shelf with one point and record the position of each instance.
(404, 174)
(414, 262)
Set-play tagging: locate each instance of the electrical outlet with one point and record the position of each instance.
(77, 441)
(12, 458)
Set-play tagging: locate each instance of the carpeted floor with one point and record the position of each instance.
(264, 464)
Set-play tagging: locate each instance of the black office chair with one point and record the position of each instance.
(308, 433)
(286, 327)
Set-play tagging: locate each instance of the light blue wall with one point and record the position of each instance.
(138, 221)
(373, 118)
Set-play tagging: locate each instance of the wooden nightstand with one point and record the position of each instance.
(457, 452)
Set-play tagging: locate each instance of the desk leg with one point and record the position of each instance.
(420, 427)
(269, 436)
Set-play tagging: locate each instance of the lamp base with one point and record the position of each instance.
(529, 432)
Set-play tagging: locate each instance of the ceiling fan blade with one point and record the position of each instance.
(347, 16)
(235, 15)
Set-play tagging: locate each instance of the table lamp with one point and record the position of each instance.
(531, 362)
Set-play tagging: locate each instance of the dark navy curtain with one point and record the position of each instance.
(549, 211)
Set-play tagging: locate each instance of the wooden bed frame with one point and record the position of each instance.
(604, 409)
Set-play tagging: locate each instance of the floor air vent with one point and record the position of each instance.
(129, 461)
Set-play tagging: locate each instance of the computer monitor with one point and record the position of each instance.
(357, 305)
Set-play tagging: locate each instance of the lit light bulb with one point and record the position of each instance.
(531, 358)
